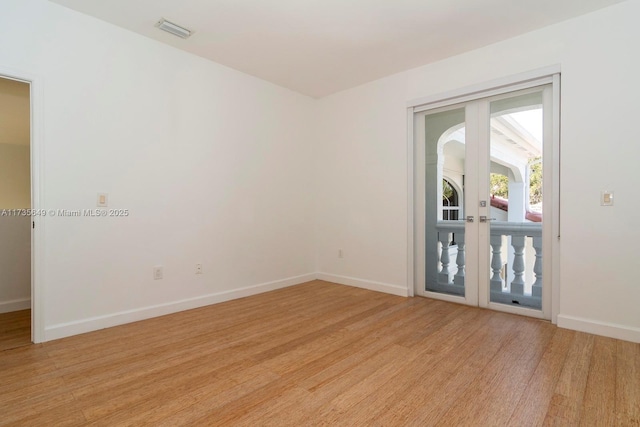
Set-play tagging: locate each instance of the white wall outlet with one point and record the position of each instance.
(340, 253)
(606, 198)
(198, 268)
(157, 272)
(103, 200)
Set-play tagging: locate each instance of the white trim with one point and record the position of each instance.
(15, 305)
(477, 165)
(416, 224)
(485, 94)
(100, 322)
(611, 330)
(448, 298)
(427, 105)
(411, 274)
(37, 197)
(555, 208)
(364, 284)
(37, 169)
(521, 311)
(485, 89)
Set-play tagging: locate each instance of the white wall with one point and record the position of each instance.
(362, 179)
(362, 163)
(15, 183)
(15, 231)
(212, 164)
(15, 263)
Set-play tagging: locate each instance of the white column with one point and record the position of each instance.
(496, 262)
(517, 286)
(517, 195)
(443, 276)
(536, 289)
(458, 279)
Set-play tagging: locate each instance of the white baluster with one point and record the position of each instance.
(443, 276)
(496, 263)
(536, 289)
(517, 286)
(458, 279)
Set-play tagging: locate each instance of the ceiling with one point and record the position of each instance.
(318, 47)
(14, 112)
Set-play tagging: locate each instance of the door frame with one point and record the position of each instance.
(37, 229)
(416, 173)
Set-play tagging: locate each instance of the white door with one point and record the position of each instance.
(482, 204)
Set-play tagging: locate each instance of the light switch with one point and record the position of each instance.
(606, 198)
(103, 199)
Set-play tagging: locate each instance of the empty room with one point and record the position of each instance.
(294, 213)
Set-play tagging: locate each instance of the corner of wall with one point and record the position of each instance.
(364, 284)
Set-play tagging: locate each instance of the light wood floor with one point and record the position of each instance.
(15, 329)
(324, 354)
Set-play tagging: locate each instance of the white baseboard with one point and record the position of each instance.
(15, 305)
(611, 330)
(365, 284)
(100, 322)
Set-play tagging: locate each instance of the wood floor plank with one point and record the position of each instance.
(34, 406)
(534, 403)
(506, 376)
(627, 396)
(442, 384)
(599, 398)
(327, 353)
(566, 403)
(324, 354)
(461, 342)
(353, 370)
(269, 412)
(15, 329)
(209, 408)
(189, 401)
(66, 414)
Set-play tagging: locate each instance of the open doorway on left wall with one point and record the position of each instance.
(15, 214)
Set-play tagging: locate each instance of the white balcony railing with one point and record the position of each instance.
(516, 261)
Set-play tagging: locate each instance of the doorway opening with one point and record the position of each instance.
(15, 214)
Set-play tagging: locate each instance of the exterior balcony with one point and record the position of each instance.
(516, 262)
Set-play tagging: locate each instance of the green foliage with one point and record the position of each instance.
(535, 181)
(447, 190)
(499, 185)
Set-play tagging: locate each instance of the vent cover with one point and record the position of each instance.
(174, 29)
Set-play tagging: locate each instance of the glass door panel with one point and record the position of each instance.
(515, 200)
(479, 197)
(445, 153)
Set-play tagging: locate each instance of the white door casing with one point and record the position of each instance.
(476, 104)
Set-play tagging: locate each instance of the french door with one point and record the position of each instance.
(486, 180)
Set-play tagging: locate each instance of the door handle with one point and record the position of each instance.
(470, 218)
(485, 219)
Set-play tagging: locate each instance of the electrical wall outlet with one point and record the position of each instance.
(157, 272)
(606, 198)
(198, 268)
(103, 200)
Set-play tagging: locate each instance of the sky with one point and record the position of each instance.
(531, 120)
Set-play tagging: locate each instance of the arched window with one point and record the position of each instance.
(450, 202)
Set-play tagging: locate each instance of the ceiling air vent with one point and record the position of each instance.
(174, 29)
